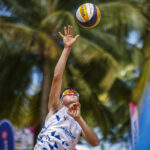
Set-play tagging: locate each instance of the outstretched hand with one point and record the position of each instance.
(68, 38)
(74, 110)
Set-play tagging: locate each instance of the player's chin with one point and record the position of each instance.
(73, 102)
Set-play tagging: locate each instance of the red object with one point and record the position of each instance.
(4, 135)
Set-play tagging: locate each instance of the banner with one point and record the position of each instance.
(24, 138)
(6, 136)
(134, 124)
(81, 147)
(144, 142)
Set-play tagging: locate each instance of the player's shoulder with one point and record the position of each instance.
(54, 109)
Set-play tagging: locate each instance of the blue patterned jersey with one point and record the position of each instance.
(60, 132)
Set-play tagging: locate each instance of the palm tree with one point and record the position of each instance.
(37, 38)
(145, 71)
(95, 67)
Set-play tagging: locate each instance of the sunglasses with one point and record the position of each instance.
(70, 92)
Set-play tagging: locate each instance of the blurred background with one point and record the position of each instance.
(109, 64)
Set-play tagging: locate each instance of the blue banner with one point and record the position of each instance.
(6, 136)
(144, 141)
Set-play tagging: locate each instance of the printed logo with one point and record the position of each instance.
(4, 135)
(68, 132)
(66, 118)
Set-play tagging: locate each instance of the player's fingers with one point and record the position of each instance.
(75, 107)
(77, 36)
(70, 109)
(71, 105)
(65, 30)
(69, 30)
(78, 107)
(77, 104)
(61, 35)
(75, 112)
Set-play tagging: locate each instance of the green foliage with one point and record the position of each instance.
(101, 66)
(116, 13)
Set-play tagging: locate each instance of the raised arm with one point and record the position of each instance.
(87, 133)
(69, 40)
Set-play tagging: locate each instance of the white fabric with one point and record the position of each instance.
(90, 10)
(79, 16)
(60, 132)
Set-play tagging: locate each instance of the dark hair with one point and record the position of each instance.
(68, 88)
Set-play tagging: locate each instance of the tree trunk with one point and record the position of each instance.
(45, 92)
(45, 87)
(145, 72)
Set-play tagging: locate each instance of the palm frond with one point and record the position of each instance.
(29, 38)
(31, 109)
(114, 13)
(101, 116)
(119, 92)
(14, 80)
(108, 41)
(56, 20)
(79, 82)
(145, 73)
(55, 4)
(104, 116)
(26, 11)
(85, 51)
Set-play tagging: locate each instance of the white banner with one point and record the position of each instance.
(81, 147)
(134, 116)
(24, 139)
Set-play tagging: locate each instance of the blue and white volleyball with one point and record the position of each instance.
(88, 15)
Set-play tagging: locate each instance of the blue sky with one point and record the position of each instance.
(4, 12)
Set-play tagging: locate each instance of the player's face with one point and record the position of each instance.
(69, 99)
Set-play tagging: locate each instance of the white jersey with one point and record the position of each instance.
(60, 132)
